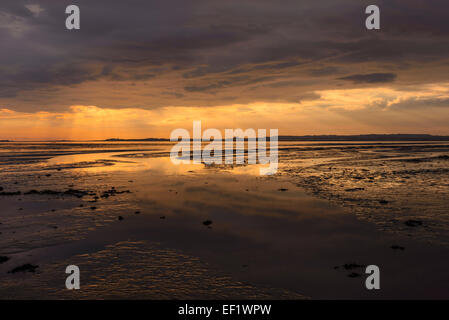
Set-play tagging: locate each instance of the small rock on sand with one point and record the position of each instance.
(24, 268)
(207, 223)
(413, 223)
(354, 189)
(350, 266)
(120, 218)
(3, 259)
(354, 275)
(15, 193)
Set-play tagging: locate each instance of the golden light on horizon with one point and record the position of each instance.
(346, 111)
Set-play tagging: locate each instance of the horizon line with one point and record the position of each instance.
(320, 137)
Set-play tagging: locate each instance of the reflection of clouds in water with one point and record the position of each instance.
(266, 220)
(137, 270)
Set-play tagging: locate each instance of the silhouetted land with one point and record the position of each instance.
(363, 137)
(146, 139)
(367, 137)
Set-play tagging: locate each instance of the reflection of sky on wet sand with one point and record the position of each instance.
(153, 161)
(266, 232)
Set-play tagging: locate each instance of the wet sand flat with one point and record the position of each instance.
(305, 232)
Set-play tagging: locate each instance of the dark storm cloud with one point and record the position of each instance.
(209, 87)
(370, 78)
(231, 82)
(272, 67)
(324, 71)
(202, 71)
(210, 46)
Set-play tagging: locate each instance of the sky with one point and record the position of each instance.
(141, 68)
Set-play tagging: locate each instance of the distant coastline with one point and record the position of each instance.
(362, 137)
(367, 137)
(146, 139)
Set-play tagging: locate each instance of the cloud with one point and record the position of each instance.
(324, 71)
(16, 27)
(35, 9)
(370, 78)
(420, 104)
(206, 52)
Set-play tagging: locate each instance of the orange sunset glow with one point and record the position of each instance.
(347, 111)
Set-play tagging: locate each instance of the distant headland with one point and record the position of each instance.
(361, 137)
